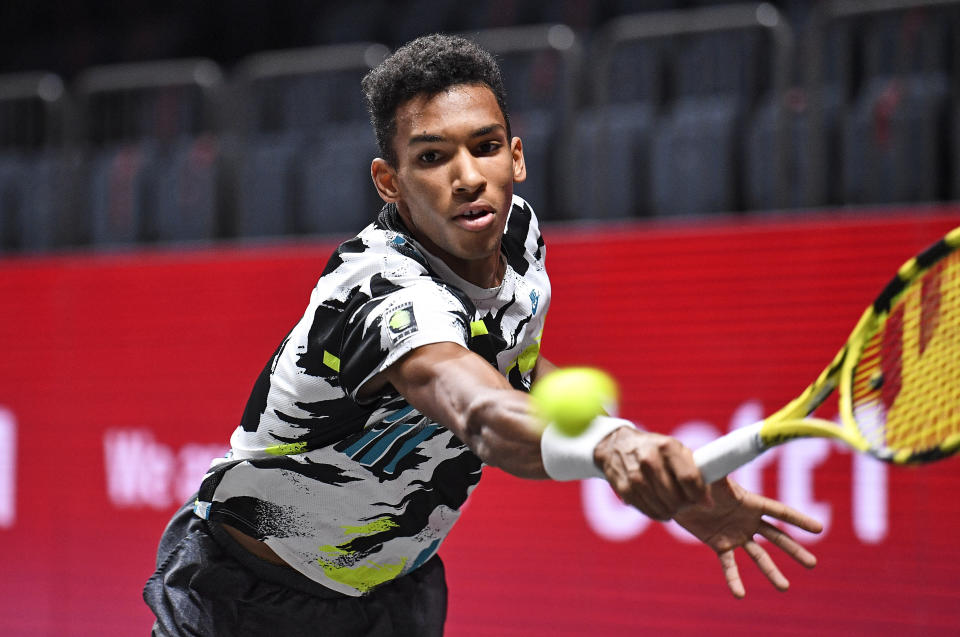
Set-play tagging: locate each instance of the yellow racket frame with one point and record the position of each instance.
(794, 421)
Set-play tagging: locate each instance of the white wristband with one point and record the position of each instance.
(571, 457)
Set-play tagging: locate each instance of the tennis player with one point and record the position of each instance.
(409, 370)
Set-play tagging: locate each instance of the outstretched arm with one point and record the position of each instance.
(652, 472)
(464, 393)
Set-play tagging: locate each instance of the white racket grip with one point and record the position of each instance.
(721, 456)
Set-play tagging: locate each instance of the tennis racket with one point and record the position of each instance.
(898, 377)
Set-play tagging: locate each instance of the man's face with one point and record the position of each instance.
(454, 177)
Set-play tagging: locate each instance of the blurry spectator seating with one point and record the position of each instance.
(803, 120)
(35, 201)
(153, 157)
(541, 66)
(613, 143)
(36, 170)
(119, 191)
(695, 156)
(304, 142)
(668, 108)
(264, 191)
(696, 150)
(893, 140)
(760, 186)
(613, 135)
(11, 204)
(186, 180)
(145, 191)
(893, 146)
(336, 190)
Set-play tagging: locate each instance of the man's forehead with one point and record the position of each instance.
(460, 103)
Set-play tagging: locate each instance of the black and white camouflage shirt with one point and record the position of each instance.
(356, 493)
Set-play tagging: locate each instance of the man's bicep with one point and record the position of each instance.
(441, 380)
(463, 392)
(542, 368)
(383, 330)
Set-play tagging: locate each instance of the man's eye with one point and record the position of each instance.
(488, 147)
(429, 157)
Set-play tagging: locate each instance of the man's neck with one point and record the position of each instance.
(484, 273)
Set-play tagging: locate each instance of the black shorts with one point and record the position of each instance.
(208, 585)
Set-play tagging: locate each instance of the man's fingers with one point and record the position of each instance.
(651, 507)
(687, 477)
(766, 565)
(781, 511)
(788, 545)
(664, 487)
(730, 573)
(646, 502)
(673, 477)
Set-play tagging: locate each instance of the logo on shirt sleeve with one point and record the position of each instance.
(401, 322)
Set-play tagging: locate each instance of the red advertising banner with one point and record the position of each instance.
(122, 375)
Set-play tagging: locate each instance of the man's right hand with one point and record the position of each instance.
(652, 472)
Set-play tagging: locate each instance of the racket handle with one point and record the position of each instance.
(721, 456)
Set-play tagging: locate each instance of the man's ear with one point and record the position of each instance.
(385, 180)
(519, 164)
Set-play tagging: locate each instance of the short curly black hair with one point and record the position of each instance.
(427, 65)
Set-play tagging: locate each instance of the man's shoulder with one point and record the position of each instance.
(522, 240)
(378, 248)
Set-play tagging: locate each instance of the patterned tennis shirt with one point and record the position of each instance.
(354, 493)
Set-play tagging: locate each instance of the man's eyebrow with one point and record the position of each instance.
(427, 138)
(486, 130)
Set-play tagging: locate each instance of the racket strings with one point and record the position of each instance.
(906, 385)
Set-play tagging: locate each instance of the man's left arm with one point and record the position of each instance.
(542, 368)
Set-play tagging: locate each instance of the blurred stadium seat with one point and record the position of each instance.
(32, 119)
(668, 111)
(333, 182)
(613, 132)
(703, 117)
(35, 201)
(613, 145)
(120, 189)
(11, 203)
(694, 157)
(186, 179)
(265, 185)
(305, 146)
(760, 153)
(893, 141)
(730, 62)
(53, 200)
(145, 127)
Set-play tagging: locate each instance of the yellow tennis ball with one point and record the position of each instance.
(572, 397)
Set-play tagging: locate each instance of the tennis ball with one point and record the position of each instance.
(572, 397)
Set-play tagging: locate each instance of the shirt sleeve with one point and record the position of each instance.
(387, 327)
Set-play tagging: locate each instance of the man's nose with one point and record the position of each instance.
(468, 177)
